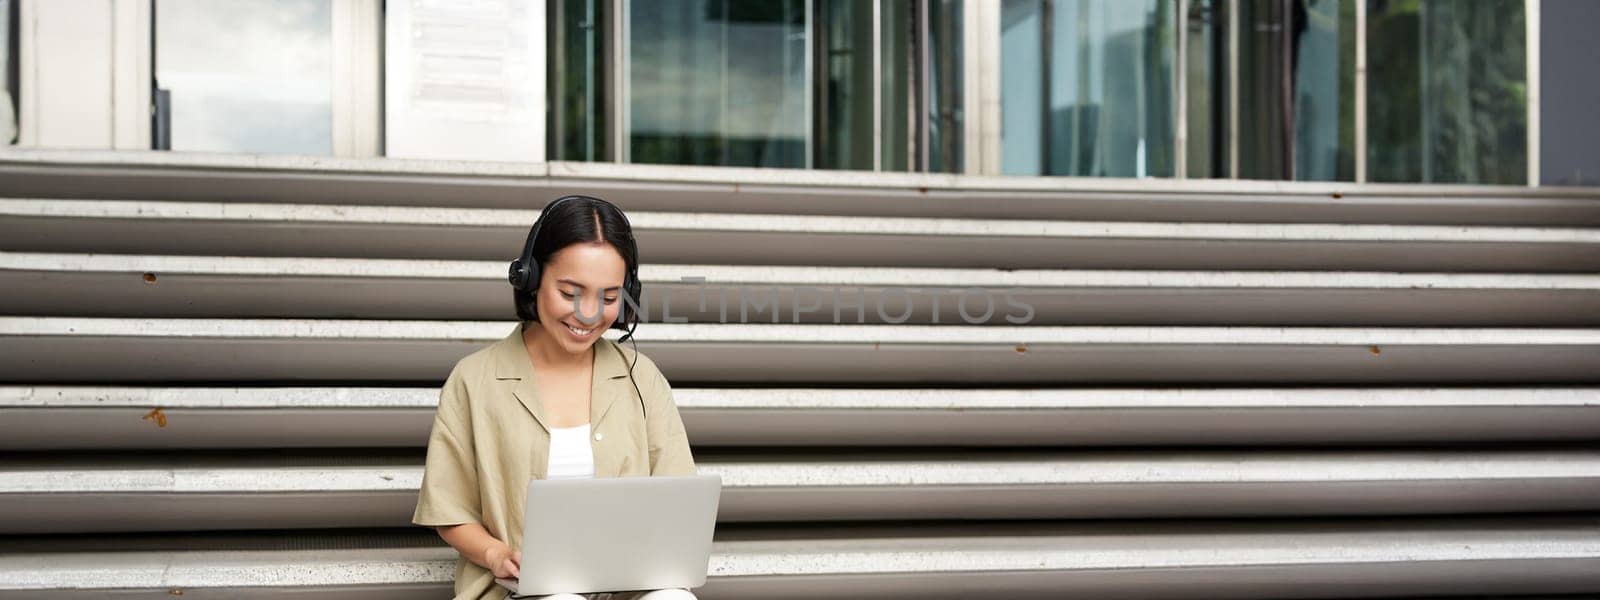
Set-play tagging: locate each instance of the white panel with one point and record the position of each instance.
(465, 80)
(131, 76)
(357, 78)
(70, 67)
(986, 62)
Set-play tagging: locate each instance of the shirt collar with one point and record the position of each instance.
(512, 362)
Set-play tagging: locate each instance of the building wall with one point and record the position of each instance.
(1569, 145)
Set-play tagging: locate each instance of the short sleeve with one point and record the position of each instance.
(449, 493)
(669, 442)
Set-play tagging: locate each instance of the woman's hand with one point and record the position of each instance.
(505, 562)
(475, 544)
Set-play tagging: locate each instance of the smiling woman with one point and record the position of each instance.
(549, 401)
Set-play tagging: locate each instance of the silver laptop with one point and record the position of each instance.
(616, 534)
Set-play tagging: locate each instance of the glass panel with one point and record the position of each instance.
(896, 81)
(247, 75)
(1105, 105)
(1297, 82)
(10, 74)
(1447, 92)
(945, 88)
(578, 109)
(844, 97)
(1022, 87)
(717, 82)
(1207, 88)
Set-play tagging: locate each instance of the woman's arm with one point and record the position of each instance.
(448, 500)
(475, 543)
(668, 442)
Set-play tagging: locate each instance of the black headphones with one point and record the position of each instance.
(525, 272)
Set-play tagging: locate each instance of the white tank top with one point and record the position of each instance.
(571, 456)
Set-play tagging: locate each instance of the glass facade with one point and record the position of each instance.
(716, 82)
(579, 92)
(1250, 89)
(828, 84)
(1447, 94)
(943, 88)
(844, 131)
(1087, 87)
(896, 111)
(1206, 90)
(250, 76)
(1297, 74)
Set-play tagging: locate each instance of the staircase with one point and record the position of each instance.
(217, 374)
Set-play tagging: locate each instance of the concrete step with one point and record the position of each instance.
(131, 492)
(232, 286)
(1343, 558)
(292, 179)
(91, 350)
(300, 230)
(56, 417)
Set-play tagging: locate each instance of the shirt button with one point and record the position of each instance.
(599, 436)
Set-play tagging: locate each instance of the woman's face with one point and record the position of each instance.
(580, 292)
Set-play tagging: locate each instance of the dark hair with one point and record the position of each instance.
(578, 221)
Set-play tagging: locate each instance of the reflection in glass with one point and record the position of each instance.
(1206, 90)
(844, 95)
(896, 83)
(1101, 102)
(1297, 90)
(247, 75)
(578, 89)
(944, 87)
(1447, 98)
(717, 82)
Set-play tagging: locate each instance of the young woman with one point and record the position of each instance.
(553, 399)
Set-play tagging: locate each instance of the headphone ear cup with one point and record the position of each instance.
(530, 285)
(517, 275)
(630, 289)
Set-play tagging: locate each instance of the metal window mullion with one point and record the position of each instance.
(877, 85)
(619, 64)
(1233, 88)
(1047, 41)
(556, 55)
(1425, 94)
(913, 74)
(1180, 78)
(1361, 92)
(1532, 17)
(924, 68)
(1286, 86)
(27, 92)
(812, 63)
(592, 93)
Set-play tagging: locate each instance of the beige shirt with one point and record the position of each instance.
(490, 438)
